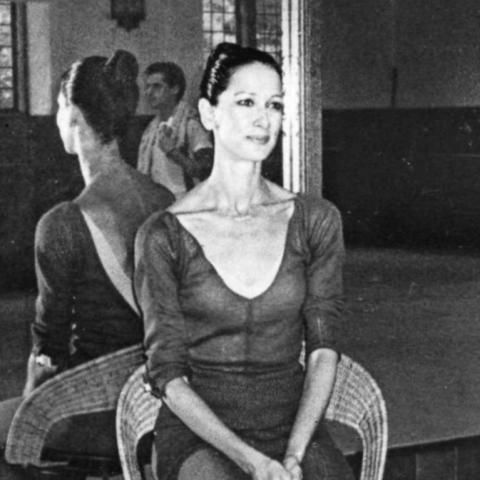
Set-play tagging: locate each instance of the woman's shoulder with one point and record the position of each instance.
(316, 203)
(194, 200)
(160, 226)
(156, 192)
(318, 211)
(59, 223)
(63, 212)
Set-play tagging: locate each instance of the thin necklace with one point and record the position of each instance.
(238, 216)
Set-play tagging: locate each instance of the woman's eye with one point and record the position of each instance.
(245, 102)
(278, 106)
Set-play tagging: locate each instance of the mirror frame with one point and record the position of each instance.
(302, 126)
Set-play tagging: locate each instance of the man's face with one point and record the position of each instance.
(158, 93)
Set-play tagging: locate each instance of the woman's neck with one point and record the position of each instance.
(99, 159)
(237, 187)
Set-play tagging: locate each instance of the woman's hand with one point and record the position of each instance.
(268, 469)
(37, 374)
(292, 465)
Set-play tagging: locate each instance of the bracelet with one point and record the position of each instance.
(295, 457)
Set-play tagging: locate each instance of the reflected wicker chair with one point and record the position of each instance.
(356, 401)
(91, 387)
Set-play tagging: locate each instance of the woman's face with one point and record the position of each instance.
(64, 123)
(248, 115)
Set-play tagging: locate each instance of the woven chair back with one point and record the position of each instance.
(137, 411)
(357, 402)
(91, 387)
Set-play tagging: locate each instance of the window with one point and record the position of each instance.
(269, 27)
(218, 23)
(256, 23)
(8, 95)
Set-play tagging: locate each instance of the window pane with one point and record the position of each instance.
(231, 38)
(217, 22)
(229, 6)
(5, 14)
(5, 57)
(6, 98)
(5, 35)
(217, 38)
(229, 24)
(216, 5)
(6, 80)
(207, 22)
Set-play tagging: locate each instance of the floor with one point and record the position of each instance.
(412, 319)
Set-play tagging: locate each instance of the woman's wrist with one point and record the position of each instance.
(296, 456)
(249, 459)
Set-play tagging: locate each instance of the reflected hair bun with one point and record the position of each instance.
(105, 90)
(122, 66)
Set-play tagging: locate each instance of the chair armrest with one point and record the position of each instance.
(91, 387)
(137, 412)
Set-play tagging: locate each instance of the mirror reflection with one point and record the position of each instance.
(390, 137)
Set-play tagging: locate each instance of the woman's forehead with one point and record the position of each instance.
(256, 76)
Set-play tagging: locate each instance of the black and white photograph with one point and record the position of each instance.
(239, 240)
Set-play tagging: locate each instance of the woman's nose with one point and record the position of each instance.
(262, 117)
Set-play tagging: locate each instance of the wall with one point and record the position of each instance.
(62, 31)
(433, 45)
(401, 158)
(405, 177)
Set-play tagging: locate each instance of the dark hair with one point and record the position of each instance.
(172, 74)
(222, 63)
(105, 90)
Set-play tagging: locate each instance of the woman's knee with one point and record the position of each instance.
(206, 464)
(324, 460)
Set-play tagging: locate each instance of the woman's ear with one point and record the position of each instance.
(207, 113)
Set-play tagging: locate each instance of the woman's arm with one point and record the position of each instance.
(195, 413)
(319, 380)
(55, 271)
(322, 314)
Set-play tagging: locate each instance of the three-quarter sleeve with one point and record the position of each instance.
(156, 286)
(324, 299)
(55, 267)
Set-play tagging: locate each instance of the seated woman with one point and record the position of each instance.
(82, 310)
(232, 279)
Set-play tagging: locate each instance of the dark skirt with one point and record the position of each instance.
(259, 407)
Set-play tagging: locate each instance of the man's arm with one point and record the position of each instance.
(199, 166)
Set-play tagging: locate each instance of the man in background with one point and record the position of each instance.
(175, 149)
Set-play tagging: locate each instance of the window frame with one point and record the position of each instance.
(19, 59)
(246, 18)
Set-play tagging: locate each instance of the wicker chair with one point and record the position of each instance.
(91, 387)
(356, 401)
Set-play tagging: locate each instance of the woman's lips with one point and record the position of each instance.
(259, 139)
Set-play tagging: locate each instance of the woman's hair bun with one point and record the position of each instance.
(122, 67)
(224, 60)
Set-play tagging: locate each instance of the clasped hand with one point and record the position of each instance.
(272, 470)
(166, 138)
